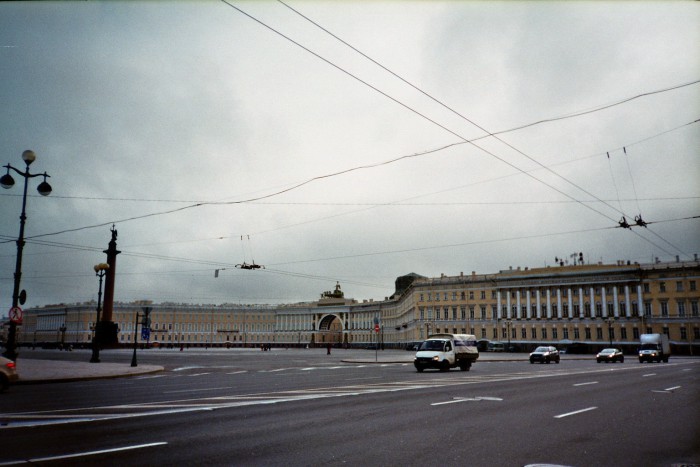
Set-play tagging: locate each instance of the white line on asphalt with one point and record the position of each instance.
(673, 388)
(237, 372)
(576, 412)
(83, 454)
(648, 374)
(467, 399)
(585, 384)
(149, 377)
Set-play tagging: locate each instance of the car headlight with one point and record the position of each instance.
(436, 358)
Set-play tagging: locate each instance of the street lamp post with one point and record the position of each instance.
(610, 322)
(44, 189)
(63, 335)
(100, 271)
(509, 323)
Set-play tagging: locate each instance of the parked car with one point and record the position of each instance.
(545, 354)
(610, 355)
(8, 373)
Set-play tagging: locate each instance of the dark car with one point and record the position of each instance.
(545, 354)
(8, 373)
(610, 355)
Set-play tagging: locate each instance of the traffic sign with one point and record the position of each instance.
(16, 315)
(376, 328)
(145, 333)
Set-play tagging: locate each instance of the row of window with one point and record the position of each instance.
(646, 288)
(588, 312)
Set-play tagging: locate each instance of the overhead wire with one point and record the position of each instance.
(411, 109)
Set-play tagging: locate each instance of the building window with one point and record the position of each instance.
(599, 310)
(647, 309)
(483, 333)
(504, 333)
(471, 295)
(684, 333)
(576, 334)
(437, 297)
(454, 313)
(679, 286)
(635, 333)
(623, 308)
(635, 309)
(696, 333)
(493, 294)
(566, 333)
(623, 333)
(483, 312)
(523, 333)
(693, 287)
(662, 287)
(666, 331)
(445, 296)
(483, 295)
(462, 296)
(544, 333)
(463, 312)
(554, 333)
(577, 309)
(664, 309)
(681, 309)
(554, 309)
(645, 287)
(694, 308)
(565, 308)
(495, 333)
(471, 312)
(598, 333)
(422, 313)
(454, 295)
(421, 297)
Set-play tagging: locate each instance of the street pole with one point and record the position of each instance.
(100, 270)
(136, 328)
(44, 189)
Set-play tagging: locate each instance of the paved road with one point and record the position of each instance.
(304, 408)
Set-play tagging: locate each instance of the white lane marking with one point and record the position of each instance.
(575, 412)
(84, 454)
(648, 374)
(149, 377)
(467, 399)
(237, 372)
(199, 374)
(673, 388)
(585, 384)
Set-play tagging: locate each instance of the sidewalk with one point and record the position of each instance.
(32, 371)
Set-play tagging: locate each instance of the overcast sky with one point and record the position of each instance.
(213, 134)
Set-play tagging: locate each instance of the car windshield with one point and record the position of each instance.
(542, 349)
(432, 345)
(607, 351)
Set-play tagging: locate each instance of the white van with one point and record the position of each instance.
(445, 351)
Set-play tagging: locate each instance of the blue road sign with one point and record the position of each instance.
(145, 333)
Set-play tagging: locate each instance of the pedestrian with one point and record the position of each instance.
(328, 349)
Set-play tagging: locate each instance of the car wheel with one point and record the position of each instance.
(531, 361)
(557, 361)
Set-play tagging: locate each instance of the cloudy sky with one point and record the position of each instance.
(342, 141)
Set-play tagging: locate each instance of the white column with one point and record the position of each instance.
(604, 302)
(571, 303)
(549, 304)
(539, 304)
(640, 300)
(518, 303)
(581, 311)
(591, 294)
(616, 302)
(628, 303)
(559, 311)
(508, 312)
(498, 304)
(528, 309)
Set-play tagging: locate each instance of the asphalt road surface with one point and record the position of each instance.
(303, 407)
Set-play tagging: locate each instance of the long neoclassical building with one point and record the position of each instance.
(582, 307)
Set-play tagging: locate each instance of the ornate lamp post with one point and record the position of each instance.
(100, 271)
(610, 322)
(44, 189)
(509, 323)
